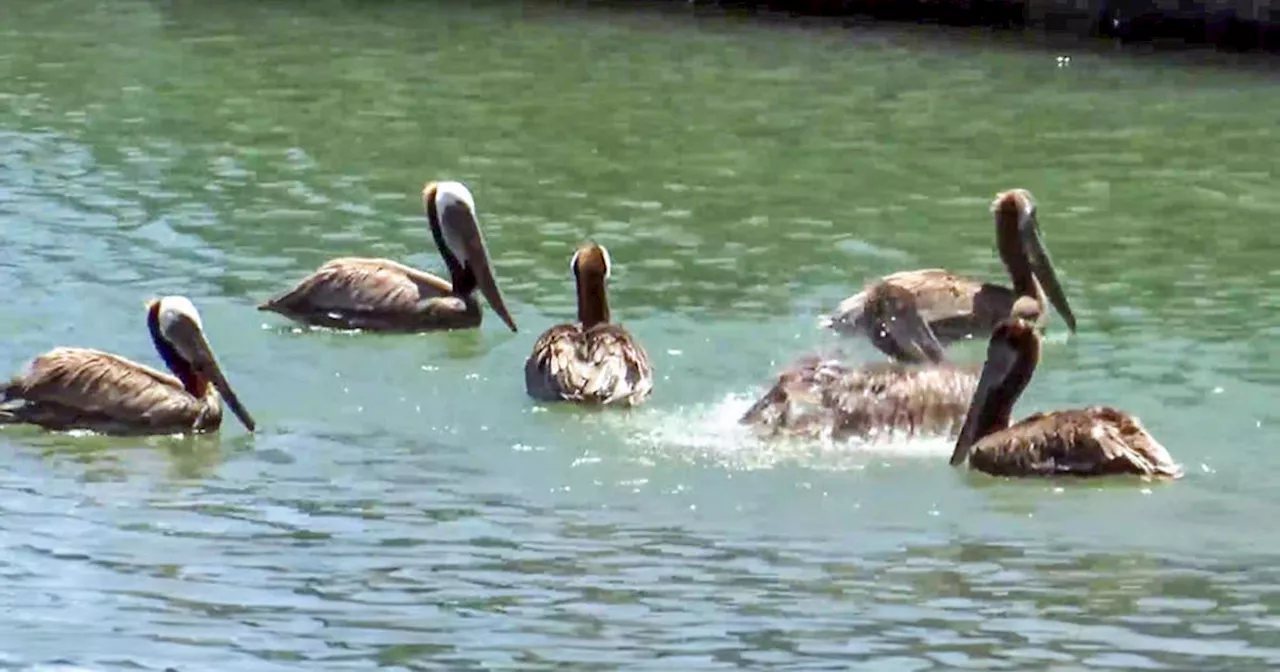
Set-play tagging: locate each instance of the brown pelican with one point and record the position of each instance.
(1093, 441)
(594, 361)
(823, 398)
(383, 295)
(958, 307)
(79, 388)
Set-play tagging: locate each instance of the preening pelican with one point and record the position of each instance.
(593, 361)
(1093, 441)
(957, 307)
(919, 395)
(79, 388)
(384, 295)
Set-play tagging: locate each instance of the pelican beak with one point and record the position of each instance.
(458, 220)
(1042, 267)
(986, 406)
(190, 342)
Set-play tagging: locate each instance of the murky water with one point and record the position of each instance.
(405, 506)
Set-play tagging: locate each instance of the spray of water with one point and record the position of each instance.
(711, 433)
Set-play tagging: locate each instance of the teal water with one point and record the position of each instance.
(405, 506)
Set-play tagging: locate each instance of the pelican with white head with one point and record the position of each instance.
(378, 294)
(81, 388)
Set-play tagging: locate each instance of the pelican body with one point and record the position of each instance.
(80, 388)
(384, 295)
(958, 307)
(593, 361)
(823, 399)
(1093, 441)
(919, 395)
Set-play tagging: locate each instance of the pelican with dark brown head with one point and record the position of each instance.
(958, 307)
(80, 388)
(1093, 441)
(385, 295)
(592, 361)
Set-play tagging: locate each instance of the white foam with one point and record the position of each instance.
(711, 432)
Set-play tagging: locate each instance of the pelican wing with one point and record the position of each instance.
(939, 293)
(954, 305)
(822, 398)
(362, 285)
(99, 385)
(1093, 441)
(602, 365)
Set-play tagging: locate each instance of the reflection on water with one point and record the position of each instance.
(404, 504)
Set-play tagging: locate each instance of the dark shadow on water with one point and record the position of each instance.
(103, 457)
(1027, 496)
(460, 344)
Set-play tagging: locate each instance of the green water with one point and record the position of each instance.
(405, 506)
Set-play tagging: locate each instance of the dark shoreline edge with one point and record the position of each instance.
(1223, 25)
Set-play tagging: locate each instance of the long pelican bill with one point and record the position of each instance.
(1042, 266)
(189, 340)
(457, 219)
(986, 407)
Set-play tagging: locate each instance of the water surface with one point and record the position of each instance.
(404, 505)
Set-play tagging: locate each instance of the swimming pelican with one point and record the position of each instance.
(919, 395)
(384, 295)
(958, 307)
(1093, 441)
(79, 388)
(593, 361)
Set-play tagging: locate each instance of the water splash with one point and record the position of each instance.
(711, 433)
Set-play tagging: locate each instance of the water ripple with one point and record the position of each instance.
(403, 505)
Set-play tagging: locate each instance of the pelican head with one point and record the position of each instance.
(179, 337)
(1012, 356)
(591, 268)
(896, 326)
(1015, 212)
(591, 259)
(451, 212)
